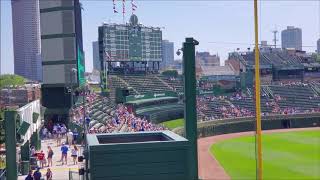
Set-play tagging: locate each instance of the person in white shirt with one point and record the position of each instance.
(44, 133)
(63, 131)
(74, 154)
(70, 137)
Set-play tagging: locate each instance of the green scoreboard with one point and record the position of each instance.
(130, 42)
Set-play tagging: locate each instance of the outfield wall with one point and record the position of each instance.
(233, 125)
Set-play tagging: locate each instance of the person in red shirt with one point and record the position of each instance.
(41, 158)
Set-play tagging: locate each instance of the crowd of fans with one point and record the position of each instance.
(231, 110)
(120, 118)
(123, 120)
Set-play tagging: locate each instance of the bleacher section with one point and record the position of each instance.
(157, 109)
(175, 83)
(101, 112)
(295, 97)
(300, 97)
(146, 84)
(275, 99)
(142, 84)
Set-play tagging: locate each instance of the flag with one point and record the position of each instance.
(107, 55)
(123, 6)
(114, 7)
(133, 5)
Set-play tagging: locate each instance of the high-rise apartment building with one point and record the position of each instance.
(167, 54)
(291, 38)
(26, 39)
(95, 55)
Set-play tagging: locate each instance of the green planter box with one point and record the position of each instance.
(144, 155)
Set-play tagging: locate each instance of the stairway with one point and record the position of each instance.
(165, 83)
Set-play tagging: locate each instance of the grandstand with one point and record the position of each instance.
(275, 66)
(142, 84)
(276, 99)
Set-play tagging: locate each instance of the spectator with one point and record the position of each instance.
(50, 155)
(64, 153)
(29, 177)
(49, 174)
(74, 154)
(33, 151)
(41, 158)
(69, 137)
(37, 174)
(75, 135)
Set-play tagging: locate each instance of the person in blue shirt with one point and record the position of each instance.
(64, 153)
(37, 174)
(29, 177)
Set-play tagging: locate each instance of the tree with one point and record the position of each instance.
(170, 73)
(11, 80)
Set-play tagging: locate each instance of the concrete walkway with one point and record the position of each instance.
(59, 171)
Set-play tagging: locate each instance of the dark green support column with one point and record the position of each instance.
(38, 140)
(190, 112)
(25, 152)
(35, 140)
(10, 134)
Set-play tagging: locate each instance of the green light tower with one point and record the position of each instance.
(190, 112)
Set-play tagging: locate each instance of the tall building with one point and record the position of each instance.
(206, 59)
(167, 54)
(291, 38)
(26, 38)
(62, 54)
(95, 55)
(318, 46)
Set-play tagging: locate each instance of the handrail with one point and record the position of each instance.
(3, 174)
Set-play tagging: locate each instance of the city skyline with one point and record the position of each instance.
(216, 35)
(26, 39)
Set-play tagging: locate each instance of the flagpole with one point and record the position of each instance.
(257, 96)
(123, 10)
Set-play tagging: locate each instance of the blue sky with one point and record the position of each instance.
(221, 22)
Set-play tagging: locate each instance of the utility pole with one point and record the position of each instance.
(275, 31)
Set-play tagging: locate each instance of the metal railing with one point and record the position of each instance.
(73, 175)
(3, 175)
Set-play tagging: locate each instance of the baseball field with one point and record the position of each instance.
(286, 155)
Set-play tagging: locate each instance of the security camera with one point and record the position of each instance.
(179, 52)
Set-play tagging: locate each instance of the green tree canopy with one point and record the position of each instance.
(170, 73)
(9, 79)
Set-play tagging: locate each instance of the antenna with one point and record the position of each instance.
(275, 31)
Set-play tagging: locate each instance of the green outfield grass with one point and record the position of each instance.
(173, 123)
(287, 155)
